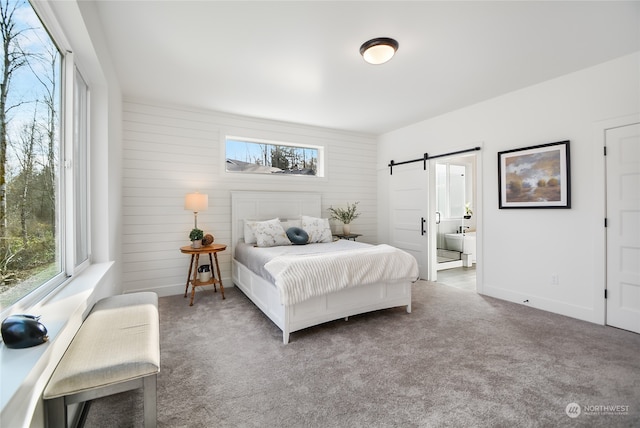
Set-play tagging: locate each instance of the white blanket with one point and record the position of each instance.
(301, 277)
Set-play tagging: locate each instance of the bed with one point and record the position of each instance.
(305, 306)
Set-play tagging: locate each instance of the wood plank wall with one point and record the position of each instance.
(169, 151)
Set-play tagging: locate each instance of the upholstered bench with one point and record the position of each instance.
(116, 349)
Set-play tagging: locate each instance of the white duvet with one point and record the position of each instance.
(300, 277)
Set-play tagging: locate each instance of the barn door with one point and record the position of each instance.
(623, 227)
(408, 212)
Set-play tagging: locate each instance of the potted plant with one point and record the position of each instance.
(345, 215)
(467, 210)
(196, 236)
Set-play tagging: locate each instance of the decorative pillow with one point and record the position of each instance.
(290, 222)
(317, 228)
(249, 234)
(270, 233)
(297, 236)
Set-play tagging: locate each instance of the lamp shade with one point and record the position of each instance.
(379, 50)
(196, 202)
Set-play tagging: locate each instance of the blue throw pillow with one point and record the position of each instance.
(297, 236)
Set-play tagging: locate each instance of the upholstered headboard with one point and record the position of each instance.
(251, 205)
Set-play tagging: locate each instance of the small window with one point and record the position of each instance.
(250, 156)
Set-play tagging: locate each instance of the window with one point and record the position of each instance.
(450, 190)
(44, 225)
(80, 166)
(275, 158)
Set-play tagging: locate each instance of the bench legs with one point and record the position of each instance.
(56, 408)
(56, 412)
(150, 405)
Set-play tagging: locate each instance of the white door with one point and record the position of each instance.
(623, 227)
(408, 212)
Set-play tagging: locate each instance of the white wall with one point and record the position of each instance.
(521, 249)
(169, 151)
(106, 146)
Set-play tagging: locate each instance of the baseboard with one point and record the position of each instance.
(178, 289)
(561, 308)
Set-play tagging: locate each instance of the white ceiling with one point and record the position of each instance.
(298, 61)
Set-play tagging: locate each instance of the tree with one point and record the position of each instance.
(49, 59)
(13, 58)
(280, 157)
(26, 157)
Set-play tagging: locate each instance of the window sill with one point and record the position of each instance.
(25, 372)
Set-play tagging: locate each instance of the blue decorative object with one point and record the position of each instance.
(23, 331)
(297, 236)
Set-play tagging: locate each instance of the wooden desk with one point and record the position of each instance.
(195, 254)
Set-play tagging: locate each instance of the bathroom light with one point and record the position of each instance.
(196, 202)
(379, 50)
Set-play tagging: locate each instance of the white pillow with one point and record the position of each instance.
(270, 233)
(249, 234)
(318, 229)
(288, 223)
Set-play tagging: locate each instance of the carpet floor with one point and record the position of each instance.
(459, 359)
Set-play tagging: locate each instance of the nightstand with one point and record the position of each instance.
(351, 236)
(213, 251)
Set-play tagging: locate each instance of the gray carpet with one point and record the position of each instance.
(459, 359)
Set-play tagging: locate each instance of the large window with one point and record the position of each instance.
(43, 205)
(253, 156)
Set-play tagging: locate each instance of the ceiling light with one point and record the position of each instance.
(378, 50)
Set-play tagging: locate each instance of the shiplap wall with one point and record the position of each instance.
(169, 151)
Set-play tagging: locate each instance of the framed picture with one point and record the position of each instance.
(535, 177)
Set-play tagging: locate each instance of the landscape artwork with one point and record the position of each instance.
(535, 177)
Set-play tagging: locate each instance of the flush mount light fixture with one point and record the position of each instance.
(379, 50)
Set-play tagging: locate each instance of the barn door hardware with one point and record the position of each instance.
(425, 157)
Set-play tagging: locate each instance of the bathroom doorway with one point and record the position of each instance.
(456, 213)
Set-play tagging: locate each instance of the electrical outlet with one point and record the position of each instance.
(555, 279)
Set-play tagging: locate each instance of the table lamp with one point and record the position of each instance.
(196, 202)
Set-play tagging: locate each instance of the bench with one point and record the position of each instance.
(116, 349)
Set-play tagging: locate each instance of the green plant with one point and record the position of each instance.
(196, 234)
(467, 209)
(347, 215)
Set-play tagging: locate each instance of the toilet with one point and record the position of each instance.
(464, 243)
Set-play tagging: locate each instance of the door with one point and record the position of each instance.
(408, 215)
(623, 227)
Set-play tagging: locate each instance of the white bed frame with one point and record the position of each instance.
(265, 295)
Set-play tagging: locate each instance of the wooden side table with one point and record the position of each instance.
(195, 255)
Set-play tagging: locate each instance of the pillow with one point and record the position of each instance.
(290, 222)
(317, 228)
(297, 236)
(270, 233)
(249, 234)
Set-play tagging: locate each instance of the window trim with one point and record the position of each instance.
(82, 174)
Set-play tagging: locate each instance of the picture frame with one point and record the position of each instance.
(535, 177)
